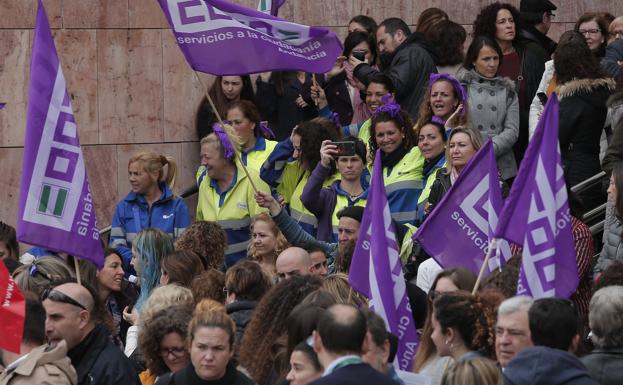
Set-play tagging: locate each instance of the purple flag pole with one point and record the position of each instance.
(376, 271)
(56, 209)
(458, 231)
(223, 38)
(536, 215)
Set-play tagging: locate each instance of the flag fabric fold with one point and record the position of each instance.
(12, 312)
(223, 38)
(458, 232)
(376, 271)
(56, 210)
(536, 215)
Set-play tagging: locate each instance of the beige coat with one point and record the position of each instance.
(42, 367)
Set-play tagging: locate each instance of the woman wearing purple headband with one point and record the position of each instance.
(444, 96)
(226, 193)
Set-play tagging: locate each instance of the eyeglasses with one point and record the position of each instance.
(177, 352)
(594, 31)
(618, 33)
(57, 296)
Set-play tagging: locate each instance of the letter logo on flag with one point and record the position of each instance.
(12, 312)
(56, 210)
(376, 271)
(536, 215)
(270, 7)
(459, 229)
(222, 38)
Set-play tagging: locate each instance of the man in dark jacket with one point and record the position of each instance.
(406, 58)
(537, 15)
(69, 316)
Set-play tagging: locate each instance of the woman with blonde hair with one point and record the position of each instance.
(150, 203)
(477, 371)
(40, 273)
(337, 285)
(267, 241)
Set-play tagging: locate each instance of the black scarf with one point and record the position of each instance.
(430, 164)
(392, 159)
(188, 376)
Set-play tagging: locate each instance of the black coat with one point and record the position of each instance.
(355, 375)
(339, 98)
(99, 362)
(240, 312)
(188, 376)
(605, 366)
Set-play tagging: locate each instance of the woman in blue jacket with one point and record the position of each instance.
(150, 203)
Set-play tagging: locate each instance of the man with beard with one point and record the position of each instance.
(348, 231)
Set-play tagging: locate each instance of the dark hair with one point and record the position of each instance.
(310, 353)
(612, 275)
(354, 212)
(598, 18)
(208, 240)
(360, 147)
(182, 266)
(617, 172)
(247, 280)
(269, 322)
(311, 247)
(205, 117)
(320, 298)
(471, 316)
(402, 121)
(9, 237)
(357, 37)
(249, 110)
(386, 81)
(448, 38)
(34, 323)
(366, 22)
(393, 24)
(313, 133)
(208, 285)
(302, 321)
(342, 333)
(173, 319)
(474, 50)
(428, 18)
(574, 60)
(486, 21)
(553, 322)
(376, 327)
(505, 279)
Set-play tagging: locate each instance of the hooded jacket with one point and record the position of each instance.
(409, 69)
(541, 365)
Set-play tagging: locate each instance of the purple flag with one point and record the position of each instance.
(376, 271)
(270, 7)
(458, 231)
(536, 215)
(223, 38)
(2, 105)
(56, 209)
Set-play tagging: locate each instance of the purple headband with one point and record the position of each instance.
(335, 118)
(390, 107)
(228, 149)
(265, 130)
(458, 87)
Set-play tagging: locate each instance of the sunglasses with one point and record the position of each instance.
(57, 296)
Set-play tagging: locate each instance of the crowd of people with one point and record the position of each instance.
(255, 290)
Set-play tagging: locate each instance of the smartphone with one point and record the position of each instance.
(344, 148)
(359, 55)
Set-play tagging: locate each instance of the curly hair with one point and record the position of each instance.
(313, 133)
(282, 242)
(208, 240)
(404, 124)
(574, 60)
(209, 285)
(172, 319)
(268, 323)
(448, 38)
(471, 316)
(485, 23)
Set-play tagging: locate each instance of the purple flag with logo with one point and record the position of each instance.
(56, 209)
(536, 215)
(222, 38)
(458, 231)
(376, 271)
(270, 7)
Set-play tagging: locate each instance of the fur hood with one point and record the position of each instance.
(615, 100)
(471, 76)
(584, 86)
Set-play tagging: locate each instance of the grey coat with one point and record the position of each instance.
(494, 111)
(613, 246)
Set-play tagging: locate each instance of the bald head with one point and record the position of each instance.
(293, 261)
(77, 292)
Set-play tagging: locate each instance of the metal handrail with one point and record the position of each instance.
(597, 211)
(597, 228)
(583, 185)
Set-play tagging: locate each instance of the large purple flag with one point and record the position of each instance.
(222, 38)
(376, 271)
(56, 209)
(458, 231)
(536, 215)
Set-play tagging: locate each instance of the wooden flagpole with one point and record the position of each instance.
(492, 245)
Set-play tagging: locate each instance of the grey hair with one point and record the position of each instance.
(515, 304)
(606, 317)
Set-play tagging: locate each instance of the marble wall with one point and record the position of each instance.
(131, 88)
